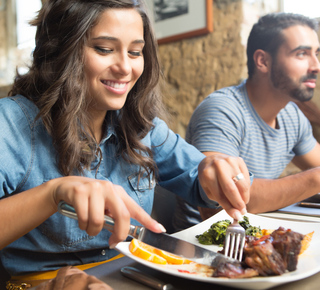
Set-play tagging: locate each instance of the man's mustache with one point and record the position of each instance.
(308, 77)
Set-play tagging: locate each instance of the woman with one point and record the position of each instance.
(83, 126)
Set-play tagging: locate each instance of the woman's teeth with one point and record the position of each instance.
(114, 84)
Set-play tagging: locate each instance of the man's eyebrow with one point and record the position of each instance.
(302, 47)
(116, 39)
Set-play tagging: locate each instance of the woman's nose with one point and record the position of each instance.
(122, 64)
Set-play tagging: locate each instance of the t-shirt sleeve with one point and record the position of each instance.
(217, 125)
(306, 140)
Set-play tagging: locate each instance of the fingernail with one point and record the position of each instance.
(244, 211)
(238, 216)
(112, 246)
(162, 228)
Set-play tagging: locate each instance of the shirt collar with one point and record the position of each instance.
(109, 128)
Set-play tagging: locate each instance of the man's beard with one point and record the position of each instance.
(295, 90)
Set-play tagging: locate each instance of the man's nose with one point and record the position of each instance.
(315, 64)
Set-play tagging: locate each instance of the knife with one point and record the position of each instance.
(309, 204)
(314, 198)
(161, 241)
(144, 278)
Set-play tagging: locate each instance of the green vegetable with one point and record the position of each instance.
(216, 234)
(250, 230)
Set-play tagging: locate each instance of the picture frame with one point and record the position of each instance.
(179, 19)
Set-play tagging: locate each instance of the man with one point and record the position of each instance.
(258, 120)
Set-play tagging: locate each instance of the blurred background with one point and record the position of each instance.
(193, 67)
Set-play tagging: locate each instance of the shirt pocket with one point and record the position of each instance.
(143, 189)
(64, 232)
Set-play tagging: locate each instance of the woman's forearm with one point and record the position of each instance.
(20, 213)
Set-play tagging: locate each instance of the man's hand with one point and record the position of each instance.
(216, 175)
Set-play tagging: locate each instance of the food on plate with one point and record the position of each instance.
(266, 253)
(145, 252)
(234, 270)
(177, 263)
(171, 258)
(155, 255)
(306, 242)
(269, 255)
(274, 254)
(216, 234)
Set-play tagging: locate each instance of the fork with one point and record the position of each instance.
(234, 241)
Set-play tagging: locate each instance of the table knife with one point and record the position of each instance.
(161, 241)
(141, 277)
(309, 204)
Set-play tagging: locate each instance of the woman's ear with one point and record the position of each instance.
(262, 60)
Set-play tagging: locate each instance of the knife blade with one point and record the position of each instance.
(161, 241)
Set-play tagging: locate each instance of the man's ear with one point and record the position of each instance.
(262, 60)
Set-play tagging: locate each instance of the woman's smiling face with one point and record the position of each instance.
(113, 58)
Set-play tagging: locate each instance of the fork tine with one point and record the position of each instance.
(243, 240)
(237, 245)
(227, 244)
(231, 245)
(234, 241)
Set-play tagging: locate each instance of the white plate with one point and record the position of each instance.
(308, 264)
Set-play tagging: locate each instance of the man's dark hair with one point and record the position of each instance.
(267, 34)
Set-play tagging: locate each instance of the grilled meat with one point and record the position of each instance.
(273, 254)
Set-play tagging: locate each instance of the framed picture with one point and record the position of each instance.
(177, 19)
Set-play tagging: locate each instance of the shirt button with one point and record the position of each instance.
(103, 252)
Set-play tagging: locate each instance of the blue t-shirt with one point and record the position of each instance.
(227, 122)
(28, 159)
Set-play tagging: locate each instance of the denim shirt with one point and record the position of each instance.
(28, 159)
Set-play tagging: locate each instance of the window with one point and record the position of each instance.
(26, 10)
(310, 8)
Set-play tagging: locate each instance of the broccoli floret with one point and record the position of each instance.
(250, 230)
(205, 238)
(217, 232)
(215, 235)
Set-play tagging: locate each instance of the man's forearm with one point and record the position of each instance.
(272, 194)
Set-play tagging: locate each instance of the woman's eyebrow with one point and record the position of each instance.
(105, 38)
(116, 39)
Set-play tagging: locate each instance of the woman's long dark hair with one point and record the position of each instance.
(56, 84)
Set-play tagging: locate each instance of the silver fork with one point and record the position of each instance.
(234, 242)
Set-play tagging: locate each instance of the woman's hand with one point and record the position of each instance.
(216, 174)
(92, 199)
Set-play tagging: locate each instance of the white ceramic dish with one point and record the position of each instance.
(308, 264)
